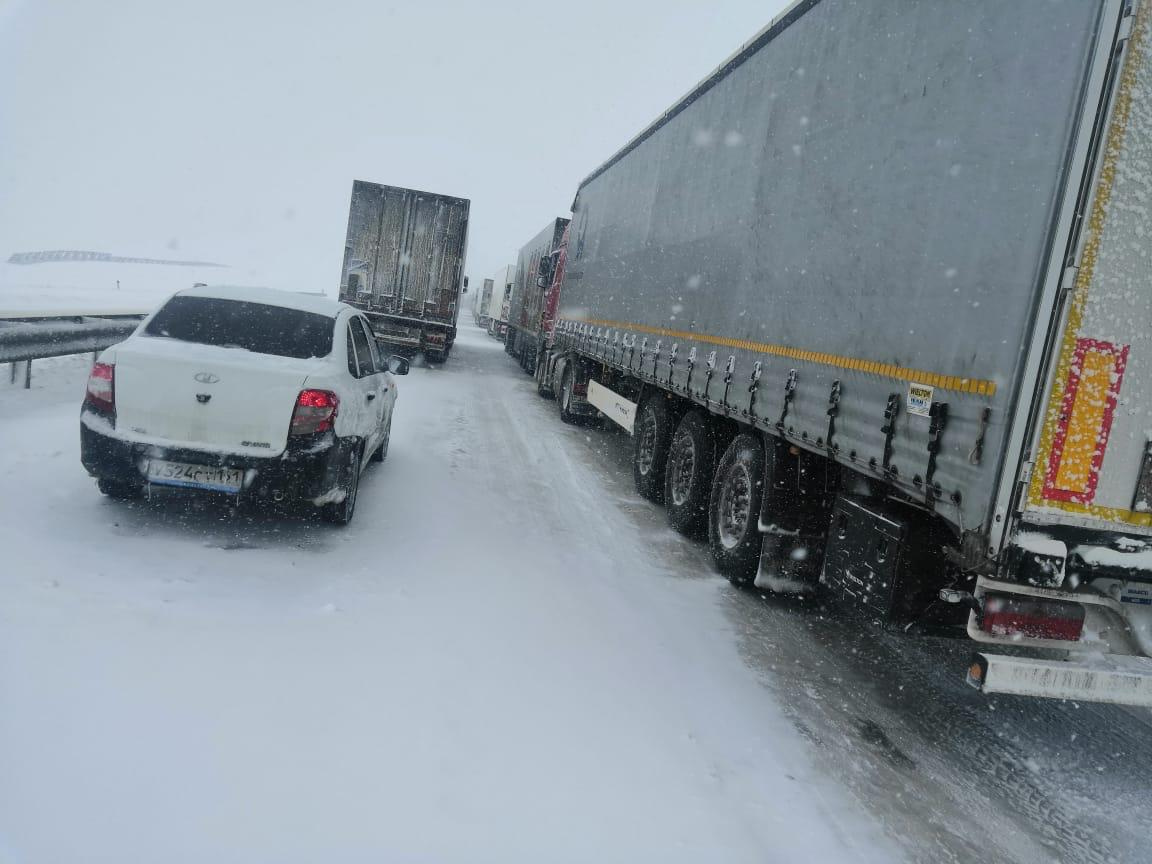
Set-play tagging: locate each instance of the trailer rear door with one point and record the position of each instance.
(1093, 464)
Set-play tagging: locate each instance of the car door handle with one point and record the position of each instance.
(371, 396)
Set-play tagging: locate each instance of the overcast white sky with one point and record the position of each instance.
(231, 130)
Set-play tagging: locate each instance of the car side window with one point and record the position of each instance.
(378, 362)
(363, 352)
(352, 368)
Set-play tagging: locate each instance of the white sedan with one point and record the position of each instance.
(250, 392)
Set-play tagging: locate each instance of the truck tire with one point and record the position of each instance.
(565, 396)
(435, 356)
(689, 473)
(734, 510)
(341, 512)
(543, 383)
(652, 435)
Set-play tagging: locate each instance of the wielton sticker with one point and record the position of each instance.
(919, 399)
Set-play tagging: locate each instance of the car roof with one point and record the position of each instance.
(320, 304)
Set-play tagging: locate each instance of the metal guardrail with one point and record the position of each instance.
(35, 337)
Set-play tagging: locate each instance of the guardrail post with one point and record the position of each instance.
(12, 372)
(27, 374)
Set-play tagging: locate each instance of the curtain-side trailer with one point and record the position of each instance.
(875, 302)
(404, 265)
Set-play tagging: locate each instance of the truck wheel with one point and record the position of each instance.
(340, 513)
(734, 510)
(119, 489)
(567, 382)
(688, 476)
(543, 382)
(435, 356)
(652, 434)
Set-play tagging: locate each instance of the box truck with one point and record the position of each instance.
(480, 304)
(499, 304)
(404, 265)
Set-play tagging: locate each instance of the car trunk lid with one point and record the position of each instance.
(207, 397)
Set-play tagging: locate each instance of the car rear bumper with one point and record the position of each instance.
(310, 468)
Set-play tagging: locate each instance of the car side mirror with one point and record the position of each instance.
(398, 365)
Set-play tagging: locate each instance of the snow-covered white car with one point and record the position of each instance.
(256, 393)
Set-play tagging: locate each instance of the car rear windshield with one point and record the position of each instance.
(256, 327)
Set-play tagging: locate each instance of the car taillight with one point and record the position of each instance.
(315, 412)
(101, 393)
(1032, 618)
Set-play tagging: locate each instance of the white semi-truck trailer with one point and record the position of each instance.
(875, 302)
(499, 304)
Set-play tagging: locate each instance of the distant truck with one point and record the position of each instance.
(480, 302)
(499, 304)
(525, 309)
(404, 265)
(875, 302)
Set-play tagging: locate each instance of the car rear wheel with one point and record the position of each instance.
(341, 512)
(120, 489)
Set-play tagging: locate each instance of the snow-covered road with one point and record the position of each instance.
(507, 657)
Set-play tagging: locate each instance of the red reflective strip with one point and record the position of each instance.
(1013, 623)
(1054, 488)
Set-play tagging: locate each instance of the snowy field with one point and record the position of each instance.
(71, 287)
(507, 657)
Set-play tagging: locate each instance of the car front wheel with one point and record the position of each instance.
(382, 451)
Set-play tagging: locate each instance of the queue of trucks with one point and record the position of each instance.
(879, 322)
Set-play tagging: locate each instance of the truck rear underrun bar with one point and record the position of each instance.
(1119, 681)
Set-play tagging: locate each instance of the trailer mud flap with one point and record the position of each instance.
(1122, 681)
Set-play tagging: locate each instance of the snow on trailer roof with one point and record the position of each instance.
(765, 35)
(320, 304)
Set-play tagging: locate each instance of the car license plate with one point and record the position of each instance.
(215, 478)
